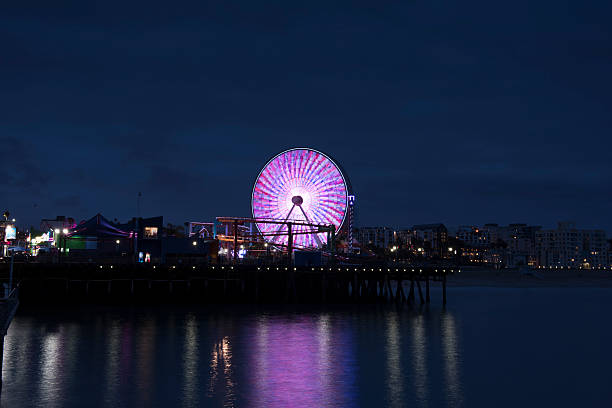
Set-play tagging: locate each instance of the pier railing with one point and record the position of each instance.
(8, 308)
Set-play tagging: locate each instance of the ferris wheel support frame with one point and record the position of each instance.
(330, 230)
(314, 233)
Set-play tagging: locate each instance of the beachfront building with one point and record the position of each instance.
(472, 236)
(403, 238)
(379, 237)
(476, 245)
(569, 247)
(512, 245)
(520, 244)
(433, 238)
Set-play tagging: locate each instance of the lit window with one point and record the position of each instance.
(150, 232)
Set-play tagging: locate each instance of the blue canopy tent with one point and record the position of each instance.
(97, 226)
(98, 234)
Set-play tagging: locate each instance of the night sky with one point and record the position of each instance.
(439, 111)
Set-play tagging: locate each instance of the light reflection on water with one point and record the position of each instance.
(221, 372)
(419, 360)
(395, 380)
(138, 357)
(301, 362)
(112, 356)
(451, 357)
(351, 356)
(145, 361)
(191, 375)
(49, 385)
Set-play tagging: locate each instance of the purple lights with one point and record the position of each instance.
(300, 184)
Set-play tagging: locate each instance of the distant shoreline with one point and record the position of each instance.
(540, 278)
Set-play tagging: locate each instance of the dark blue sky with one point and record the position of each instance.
(440, 111)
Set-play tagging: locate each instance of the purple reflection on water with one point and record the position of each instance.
(302, 362)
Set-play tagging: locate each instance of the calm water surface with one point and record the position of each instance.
(490, 347)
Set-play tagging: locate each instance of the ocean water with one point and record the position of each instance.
(490, 347)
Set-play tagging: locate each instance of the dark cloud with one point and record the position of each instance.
(19, 168)
(68, 201)
(174, 180)
(438, 111)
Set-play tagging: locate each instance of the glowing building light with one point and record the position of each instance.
(10, 232)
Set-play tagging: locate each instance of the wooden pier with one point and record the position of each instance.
(229, 283)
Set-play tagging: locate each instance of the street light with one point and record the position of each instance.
(194, 243)
(56, 237)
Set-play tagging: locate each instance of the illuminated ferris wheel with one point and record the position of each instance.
(303, 185)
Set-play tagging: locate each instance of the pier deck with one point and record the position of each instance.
(229, 283)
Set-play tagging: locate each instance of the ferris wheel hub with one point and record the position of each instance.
(297, 200)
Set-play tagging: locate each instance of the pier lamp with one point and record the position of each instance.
(56, 236)
(58, 241)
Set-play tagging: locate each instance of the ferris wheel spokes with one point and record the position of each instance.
(297, 201)
(316, 235)
(281, 226)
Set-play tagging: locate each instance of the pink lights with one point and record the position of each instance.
(300, 184)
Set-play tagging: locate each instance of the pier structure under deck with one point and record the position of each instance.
(231, 283)
(8, 308)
